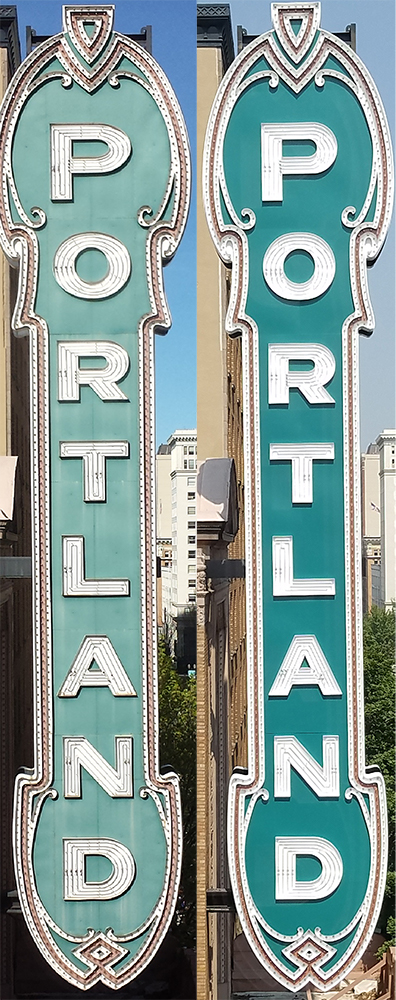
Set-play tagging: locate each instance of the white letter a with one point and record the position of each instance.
(110, 673)
(292, 672)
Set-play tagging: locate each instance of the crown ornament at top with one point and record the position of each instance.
(89, 28)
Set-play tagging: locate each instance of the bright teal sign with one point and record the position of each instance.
(298, 190)
(93, 135)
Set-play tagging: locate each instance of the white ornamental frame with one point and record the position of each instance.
(103, 53)
(294, 62)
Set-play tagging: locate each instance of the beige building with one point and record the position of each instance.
(221, 626)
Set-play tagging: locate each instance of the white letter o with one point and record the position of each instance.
(274, 260)
(117, 256)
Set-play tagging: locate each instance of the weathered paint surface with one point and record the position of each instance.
(93, 135)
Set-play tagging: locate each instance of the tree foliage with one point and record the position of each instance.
(177, 711)
(379, 689)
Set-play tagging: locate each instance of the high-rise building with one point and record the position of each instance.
(379, 522)
(176, 475)
(371, 528)
(183, 452)
(386, 443)
(164, 533)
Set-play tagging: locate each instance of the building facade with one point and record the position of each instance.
(378, 479)
(176, 478)
(221, 598)
(386, 443)
(183, 476)
(371, 527)
(164, 534)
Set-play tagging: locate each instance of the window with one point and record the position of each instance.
(191, 449)
(191, 463)
(191, 510)
(191, 553)
(185, 463)
(185, 450)
(191, 539)
(191, 568)
(191, 583)
(191, 598)
(190, 496)
(190, 481)
(191, 524)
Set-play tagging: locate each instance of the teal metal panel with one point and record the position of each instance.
(307, 834)
(97, 829)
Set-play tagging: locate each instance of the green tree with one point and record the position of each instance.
(379, 690)
(178, 714)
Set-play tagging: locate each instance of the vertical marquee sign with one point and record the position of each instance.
(298, 193)
(93, 138)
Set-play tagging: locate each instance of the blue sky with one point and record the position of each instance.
(174, 46)
(375, 43)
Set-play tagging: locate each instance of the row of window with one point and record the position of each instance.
(191, 481)
(190, 512)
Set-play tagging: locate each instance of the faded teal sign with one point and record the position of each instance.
(298, 192)
(93, 138)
